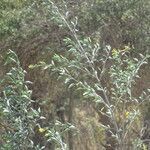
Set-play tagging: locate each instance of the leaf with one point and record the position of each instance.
(71, 85)
(31, 66)
(141, 55)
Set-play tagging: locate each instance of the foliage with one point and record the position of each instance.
(18, 117)
(87, 66)
(93, 47)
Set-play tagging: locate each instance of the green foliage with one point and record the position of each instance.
(18, 117)
(10, 17)
(83, 74)
(56, 134)
(84, 69)
(94, 44)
